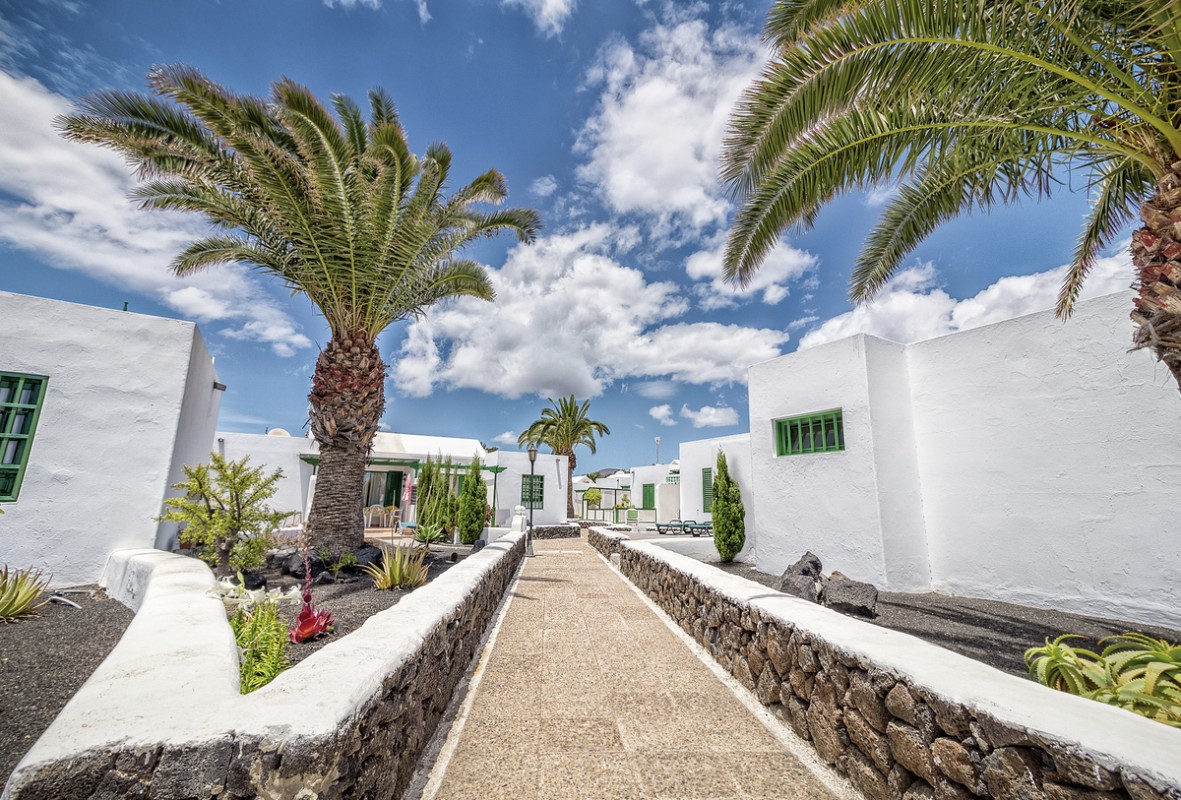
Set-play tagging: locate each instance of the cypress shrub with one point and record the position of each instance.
(473, 504)
(728, 512)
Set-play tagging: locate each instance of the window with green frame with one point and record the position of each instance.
(20, 407)
(533, 491)
(811, 433)
(649, 496)
(707, 489)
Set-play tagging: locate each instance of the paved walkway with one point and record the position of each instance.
(586, 693)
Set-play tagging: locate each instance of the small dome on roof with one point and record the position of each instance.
(277, 432)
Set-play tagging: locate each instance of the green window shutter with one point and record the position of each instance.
(533, 491)
(649, 496)
(20, 408)
(707, 489)
(811, 433)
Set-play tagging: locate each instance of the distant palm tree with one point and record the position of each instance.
(337, 208)
(970, 105)
(562, 428)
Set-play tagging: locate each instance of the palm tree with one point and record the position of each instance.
(564, 427)
(338, 208)
(969, 105)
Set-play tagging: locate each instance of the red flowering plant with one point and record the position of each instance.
(311, 621)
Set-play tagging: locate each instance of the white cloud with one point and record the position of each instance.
(549, 16)
(880, 195)
(710, 416)
(424, 14)
(349, 4)
(544, 186)
(508, 438)
(656, 390)
(912, 308)
(76, 216)
(783, 265)
(653, 143)
(570, 319)
(662, 414)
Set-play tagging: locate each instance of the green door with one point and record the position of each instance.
(393, 488)
(649, 496)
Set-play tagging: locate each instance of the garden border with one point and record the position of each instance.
(894, 714)
(162, 716)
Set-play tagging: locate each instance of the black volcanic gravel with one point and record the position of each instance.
(43, 662)
(987, 630)
(45, 659)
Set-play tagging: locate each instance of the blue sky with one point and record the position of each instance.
(607, 117)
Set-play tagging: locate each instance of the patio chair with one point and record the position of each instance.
(375, 517)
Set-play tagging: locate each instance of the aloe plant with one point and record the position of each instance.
(19, 591)
(1134, 671)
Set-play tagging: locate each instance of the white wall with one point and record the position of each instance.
(194, 430)
(1050, 459)
(508, 485)
(271, 453)
(703, 453)
(823, 502)
(103, 453)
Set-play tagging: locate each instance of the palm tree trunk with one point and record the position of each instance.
(1156, 254)
(345, 406)
(572, 461)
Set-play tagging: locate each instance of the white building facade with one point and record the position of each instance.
(1031, 460)
(393, 469)
(115, 404)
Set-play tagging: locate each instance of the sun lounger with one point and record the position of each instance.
(695, 528)
(672, 526)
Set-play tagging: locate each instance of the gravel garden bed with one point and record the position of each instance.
(990, 631)
(45, 659)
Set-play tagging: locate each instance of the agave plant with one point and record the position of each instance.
(429, 534)
(19, 591)
(1134, 672)
(400, 568)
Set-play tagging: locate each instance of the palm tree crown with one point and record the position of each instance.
(564, 427)
(968, 105)
(337, 207)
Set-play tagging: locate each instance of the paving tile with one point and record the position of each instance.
(580, 734)
(677, 775)
(589, 777)
(587, 695)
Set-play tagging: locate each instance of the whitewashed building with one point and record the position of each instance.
(99, 412)
(656, 492)
(1031, 460)
(393, 468)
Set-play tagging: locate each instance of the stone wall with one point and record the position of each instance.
(572, 531)
(350, 721)
(604, 540)
(900, 718)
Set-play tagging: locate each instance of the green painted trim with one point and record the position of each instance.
(533, 491)
(707, 489)
(314, 460)
(796, 436)
(17, 470)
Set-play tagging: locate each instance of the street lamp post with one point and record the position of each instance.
(532, 499)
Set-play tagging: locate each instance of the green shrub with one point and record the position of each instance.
(19, 591)
(250, 552)
(729, 515)
(401, 567)
(1134, 672)
(473, 505)
(262, 644)
(224, 507)
(592, 497)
